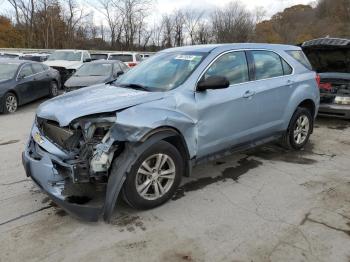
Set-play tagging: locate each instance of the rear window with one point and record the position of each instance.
(98, 56)
(121, 57)
(300, 57)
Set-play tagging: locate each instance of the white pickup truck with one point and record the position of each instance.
(67, 61)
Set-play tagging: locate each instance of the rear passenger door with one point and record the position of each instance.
(226, 117)
(274, 85)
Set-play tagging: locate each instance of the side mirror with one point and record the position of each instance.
(87, 60)
(213, 82)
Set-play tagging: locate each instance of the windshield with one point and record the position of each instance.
(65, 55)
(7, 71)
(94, 70)
(121, 57)
(98, 56)
(164, 71)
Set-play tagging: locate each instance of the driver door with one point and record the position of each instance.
(227, 117)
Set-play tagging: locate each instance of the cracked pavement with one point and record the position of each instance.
(266, 204)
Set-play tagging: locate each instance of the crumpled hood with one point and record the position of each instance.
(93, 100)
(83, 81)
(64, 63)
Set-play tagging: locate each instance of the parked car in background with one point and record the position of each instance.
(131, 59)
(24, 81)
(330, 57)
(96, 72)
(99, 56)
(67, 62)
(182, 106)
(38, 57)
(10, 55)
(144, 56)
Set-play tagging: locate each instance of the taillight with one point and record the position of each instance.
(318, 80)
(132, 64)
(325, 86)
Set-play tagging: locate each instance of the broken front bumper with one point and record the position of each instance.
(55, 177)
(335, 110)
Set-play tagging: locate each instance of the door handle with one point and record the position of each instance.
(248, 94)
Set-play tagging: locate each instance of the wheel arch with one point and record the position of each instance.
(310, 105)
(174, 137)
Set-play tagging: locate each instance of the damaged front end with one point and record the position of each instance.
(72, 163)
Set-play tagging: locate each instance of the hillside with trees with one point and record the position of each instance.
(57, 24)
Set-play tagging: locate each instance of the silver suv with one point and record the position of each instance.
(141, 134)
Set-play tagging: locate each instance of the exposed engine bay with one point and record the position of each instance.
(89, 144)
(335, 90)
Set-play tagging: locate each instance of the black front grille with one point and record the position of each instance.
(64, 73)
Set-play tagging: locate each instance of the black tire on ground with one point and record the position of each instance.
(129, 191)
(53, 89)
(290, 139)
(10, 103)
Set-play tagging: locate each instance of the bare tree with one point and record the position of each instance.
(192, 19)
(233, 23)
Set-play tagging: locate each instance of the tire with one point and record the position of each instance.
(53, 89)
(10, 103)
(142, 195)
(299, 130)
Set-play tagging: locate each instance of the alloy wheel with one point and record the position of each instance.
(301, 130)
(155, 176)
(11, 103)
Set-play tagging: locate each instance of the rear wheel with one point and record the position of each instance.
(53, 89)
(154, 176)
(299, 131)
(10, 103)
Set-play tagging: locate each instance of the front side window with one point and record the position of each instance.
(164, 71)
(267, 64)
(232, 65)
(26, 71)
(65, 55)
(98, 56)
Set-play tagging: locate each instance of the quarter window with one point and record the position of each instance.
(232, 65)
(287, 69)
(267, 64)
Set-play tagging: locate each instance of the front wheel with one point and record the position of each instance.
(154, 176)
(10, 103)
(299, 131)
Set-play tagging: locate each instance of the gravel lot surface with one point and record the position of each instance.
(263, 205)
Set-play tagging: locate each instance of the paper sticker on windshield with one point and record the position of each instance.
(185, 57)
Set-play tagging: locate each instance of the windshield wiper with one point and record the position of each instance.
(135, 86)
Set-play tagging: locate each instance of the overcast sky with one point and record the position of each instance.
(166, 6)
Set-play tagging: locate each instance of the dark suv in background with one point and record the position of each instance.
(330, 57)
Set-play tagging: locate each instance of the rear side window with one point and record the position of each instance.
(301, 58)
(232, 65)
(37, 68)
(267, 64)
